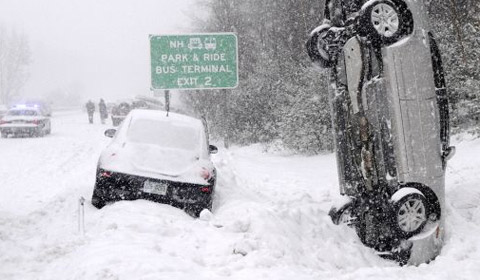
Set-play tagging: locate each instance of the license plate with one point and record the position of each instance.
(155, 188)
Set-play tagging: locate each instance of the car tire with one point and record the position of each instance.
(97, 200)
(40, 133)
(198, 208)
(316, 47)
(385, 22)
(410, 214)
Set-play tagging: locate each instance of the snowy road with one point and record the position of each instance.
(269, 219)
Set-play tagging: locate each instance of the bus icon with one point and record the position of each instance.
(195, 43)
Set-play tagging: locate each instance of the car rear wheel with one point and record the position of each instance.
(411, 213)
(97, 200)
(386, 21)
(317, 47)
(197, 209)
(40, 133)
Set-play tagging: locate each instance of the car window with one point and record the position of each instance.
(22, 113)
(165, 134)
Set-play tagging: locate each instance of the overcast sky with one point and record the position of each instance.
(100, 46)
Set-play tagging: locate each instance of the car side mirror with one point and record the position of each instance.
(212, 149)
(110, 132)
(449, 153)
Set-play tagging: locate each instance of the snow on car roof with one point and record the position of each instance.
(162, 116)
(27, 108)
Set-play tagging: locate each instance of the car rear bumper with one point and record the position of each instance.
(119, 186)
(30, 129)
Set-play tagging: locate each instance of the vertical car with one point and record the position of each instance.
(391, 123)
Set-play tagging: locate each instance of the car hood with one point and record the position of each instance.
(155, 162)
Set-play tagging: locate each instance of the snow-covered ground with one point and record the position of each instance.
(269, 219)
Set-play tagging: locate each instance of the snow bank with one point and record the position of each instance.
(269, 219)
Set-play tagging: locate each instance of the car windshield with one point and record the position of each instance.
(22, 113)
(164, 133)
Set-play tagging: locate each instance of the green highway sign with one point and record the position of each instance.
(194, 61)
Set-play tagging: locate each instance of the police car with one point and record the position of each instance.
(23, 120)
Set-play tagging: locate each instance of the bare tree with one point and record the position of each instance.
(15, 58)
(276, 79)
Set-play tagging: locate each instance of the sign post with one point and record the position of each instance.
(167, 101)
(194, 61)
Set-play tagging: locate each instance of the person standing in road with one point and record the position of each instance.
(90, 110)
(102, 107)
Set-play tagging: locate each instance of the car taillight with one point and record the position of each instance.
(205, 174)
(3, 122)
(205, 189)
(106, 174)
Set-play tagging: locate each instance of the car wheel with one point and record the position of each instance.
(209, 203)
(97, 200)
(317, 47)
(385, 21)
(197, 209)
(410, 214)
(40, 133)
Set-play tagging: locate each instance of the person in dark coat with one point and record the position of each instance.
(102, 107)
(90, 110)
